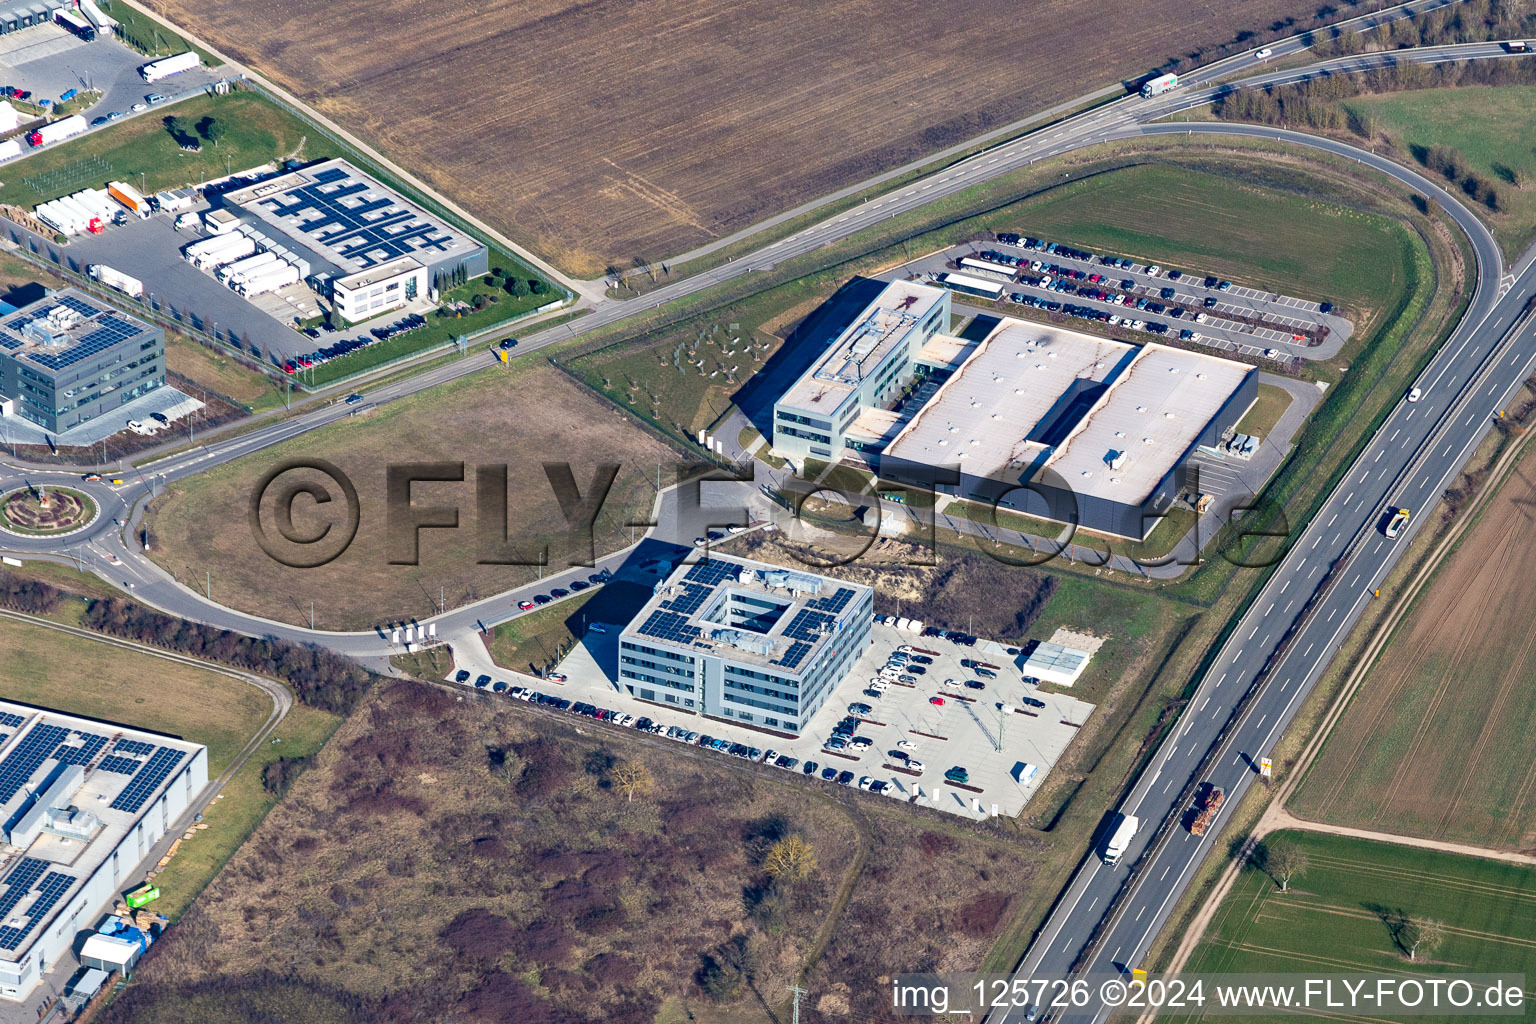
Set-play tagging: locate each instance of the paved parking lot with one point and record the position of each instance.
(1279, 343)
(50, 61)
(1006, 755)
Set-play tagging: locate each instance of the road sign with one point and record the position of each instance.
(1266, 767)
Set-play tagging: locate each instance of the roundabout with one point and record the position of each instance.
(46, 511)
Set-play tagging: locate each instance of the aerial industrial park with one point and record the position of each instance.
(765, 515)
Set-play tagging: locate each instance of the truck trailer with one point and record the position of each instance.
(158, 69)
(95, 17)
(112, 278)
(230, 273)
(228, 249)
(1206, 806)
(75, 24)
(985, 267)
(1160, 85)
(270, 280)
(1120, 838)
(129, 197)
(57, 131)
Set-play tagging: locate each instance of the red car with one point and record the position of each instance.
(936, 700)
(289, 368)
(525, 605)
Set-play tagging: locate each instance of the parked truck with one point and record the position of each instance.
(158, 69)
(113, 278)
(1120, 838)
(270, 280)
(1160, 85)
(232, 273)
(95, 17)
(129, 197)
(1207, 803)
(57, 131)
(215, 252)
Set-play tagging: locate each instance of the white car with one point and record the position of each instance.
(1415, 395)
(1264, 54)
(914, 764)
(906, 744)
(1201, 318)
(1154, 270)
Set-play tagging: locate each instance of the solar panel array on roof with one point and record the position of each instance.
(690, 600)
(809, 625)
(368, 231)
(85, 309)
(49, 891)
(834, 603)
(796, 653)
(27, 871)
(120, 765)
(134, 747)
(147, 780)
(665, 625)
(90, 744)
(109, 331)
(8, 719)
(20, 764)
(712, 573)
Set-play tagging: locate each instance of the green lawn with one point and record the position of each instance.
(145, 34)
(1337, 915)
(1212, 224)
(140, 150)
(1493, 127)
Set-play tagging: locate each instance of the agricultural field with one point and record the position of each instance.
(467, 853)
(599, 134)
(140, 149)
(1345, 914)
(1440, 739)
(1490, 126)
(519, 417)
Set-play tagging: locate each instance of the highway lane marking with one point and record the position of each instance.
(1307, 651)
(1399, 430)
(1332, 614)
(1143, 910)
(1282, 589)
(1265, 641)
(1335, 516)
(1254, 633)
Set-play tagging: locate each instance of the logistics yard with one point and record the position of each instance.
(644, 157)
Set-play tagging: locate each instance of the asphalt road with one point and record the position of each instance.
(1408, 463)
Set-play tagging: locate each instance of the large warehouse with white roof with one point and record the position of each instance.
(1037, 418)
(82, 804)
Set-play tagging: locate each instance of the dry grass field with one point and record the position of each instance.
(520, 418)
(450, 859)
(600, 132)
(1440, 740)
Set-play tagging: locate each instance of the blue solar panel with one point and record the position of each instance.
(49, 891)
(808, 625)
(148, 780)
(109, 331)
(337, 212)
(90, 744)
(27, 871)
(19, 766)
(665, 625)
(10, 720)
(134, 747)
(792, 658)
(833, 603)
(690, 600)
(120, 765)
(711, 573)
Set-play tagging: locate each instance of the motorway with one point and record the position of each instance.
(1408, 462)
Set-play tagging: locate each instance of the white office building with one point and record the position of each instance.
(745, 641)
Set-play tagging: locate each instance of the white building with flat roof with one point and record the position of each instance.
(745, 641)
(373, 292)
(83, 804)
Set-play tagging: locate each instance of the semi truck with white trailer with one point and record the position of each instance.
(112, 278)
(75, 25)
(95, 17)
(155, 70)
(229, 273)
(270, 280)
(1160, 85)
(58, 131)
(1120, 838)
(215, 252)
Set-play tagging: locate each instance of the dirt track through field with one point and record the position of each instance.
(605, 131)
(1439, 741)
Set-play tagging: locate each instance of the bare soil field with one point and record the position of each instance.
(519, 418)
(596, 133)
(472, 860)
(1440, 740)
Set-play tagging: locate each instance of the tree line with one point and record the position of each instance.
(319, 678)
(1319, 104)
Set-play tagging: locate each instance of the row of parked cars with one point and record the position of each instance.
(597, 579)
(413, 322)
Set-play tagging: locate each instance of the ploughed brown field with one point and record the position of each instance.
(599, 132)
